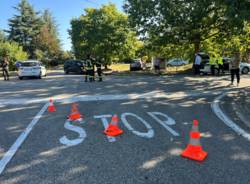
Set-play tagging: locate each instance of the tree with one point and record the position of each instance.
(103, 32)
(48, 39)
(14, 51)
(25, 27)
(67, 55)
(187, 21)
(2, 36)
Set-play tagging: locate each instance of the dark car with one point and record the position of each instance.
(204, 59)
(74, 66)
(136, 65)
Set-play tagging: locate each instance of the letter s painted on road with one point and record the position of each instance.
(82, 135)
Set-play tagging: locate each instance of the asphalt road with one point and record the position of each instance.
(58, 151)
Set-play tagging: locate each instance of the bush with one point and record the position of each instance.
(14, 51)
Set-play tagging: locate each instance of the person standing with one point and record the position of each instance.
(99, 69)
(92, 73)
(221, 65)
(157, 65)
(197, 64)
(143, 62)
(212, 62)
(88, 75)
(5, 67)
(235, 68)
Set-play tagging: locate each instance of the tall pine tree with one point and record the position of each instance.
(25, 27)
(48, 39)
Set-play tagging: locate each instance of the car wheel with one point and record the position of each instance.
(245, 70)
(21, 78)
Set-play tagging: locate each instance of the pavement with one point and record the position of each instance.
(155, 113)
(237, 106)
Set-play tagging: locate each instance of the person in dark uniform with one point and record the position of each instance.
(99, 69)
(89, 67)
(221, 65)
(5, 67)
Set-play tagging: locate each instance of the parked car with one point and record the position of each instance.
(31, 68)
(204, 59)
(244, 67)
(74, 66)
(136, 65)
(177, 62)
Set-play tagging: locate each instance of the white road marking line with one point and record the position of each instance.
(13, 149)
(73, 142)
(217, 110)
(105, 124)
(166, 123)
(149, 134)
(87, 98)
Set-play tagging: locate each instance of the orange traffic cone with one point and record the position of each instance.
(75, 114)
(113, 129)
(194, 149)
(51, 107)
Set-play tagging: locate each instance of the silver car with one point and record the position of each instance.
(176, 62)
(206, 69)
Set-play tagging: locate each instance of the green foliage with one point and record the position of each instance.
(25, 27)
(14, 52)
(37, 34)
(48, 39)
(188, 21)
(104, 33)
(67, 55)
(226, 46)
(2, 36)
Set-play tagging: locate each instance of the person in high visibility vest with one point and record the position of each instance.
(89, 67)
(212, 63)
(221, 65)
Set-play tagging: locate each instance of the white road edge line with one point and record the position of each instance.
(13, 149)
(219, 113)
(88, 98)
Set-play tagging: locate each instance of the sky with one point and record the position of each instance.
(62, 10)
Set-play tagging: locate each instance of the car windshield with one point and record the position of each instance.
(29, 64)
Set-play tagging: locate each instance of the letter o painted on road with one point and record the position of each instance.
(149, 134)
